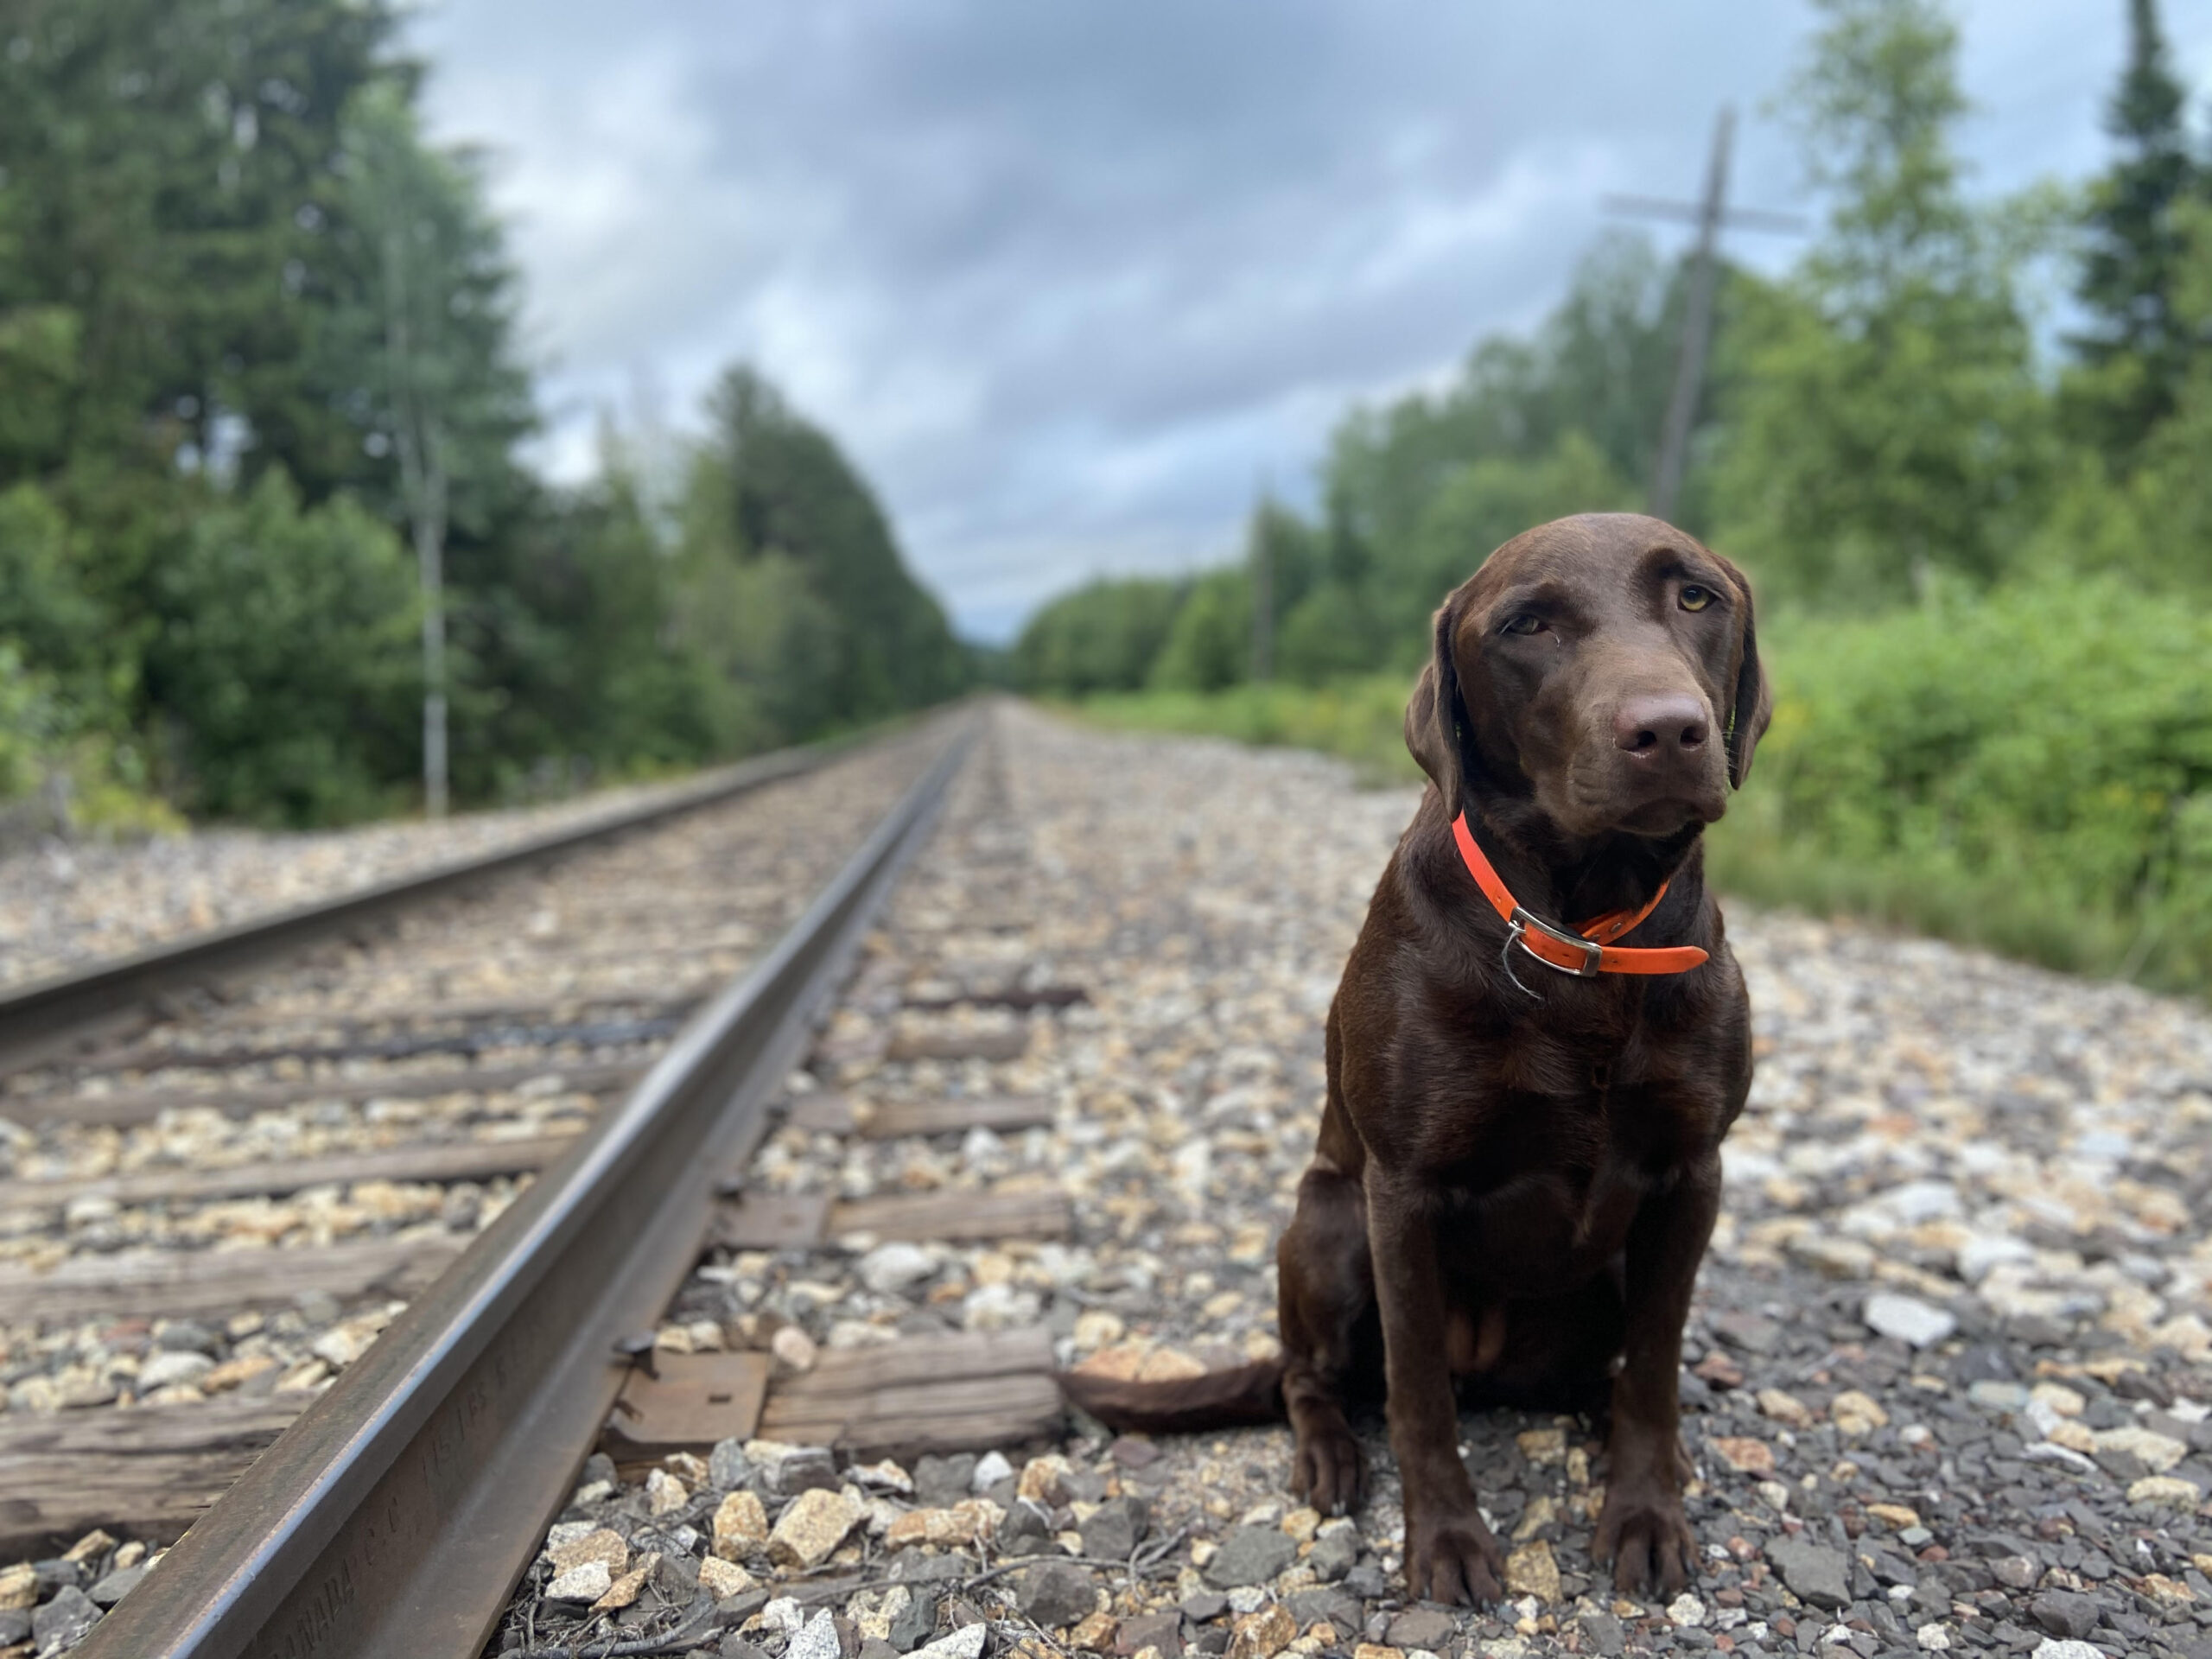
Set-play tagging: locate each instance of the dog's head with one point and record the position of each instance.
(1603, 667)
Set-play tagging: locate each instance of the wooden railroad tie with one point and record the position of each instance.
(149, 1471)
(831, 1113)
(795, 1221)
(121, 1108)
(465, 1160)
(545, 1010)
(956, 1043)
(964, 1391)
(1002, 1115)
(173, 1284)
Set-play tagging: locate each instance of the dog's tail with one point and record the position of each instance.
(1229, 1399)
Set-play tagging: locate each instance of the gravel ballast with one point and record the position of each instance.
(1946, 1378)
(1948, 1374)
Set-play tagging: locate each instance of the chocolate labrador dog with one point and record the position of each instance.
(1519, 1161)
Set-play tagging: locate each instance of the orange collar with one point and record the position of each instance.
(1586, 955)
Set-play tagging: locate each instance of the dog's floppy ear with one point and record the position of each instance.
(1433, 715)
(1753, 706)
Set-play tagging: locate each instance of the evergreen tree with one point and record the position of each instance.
(1888, 423)
(796, 584)
(2137, 354)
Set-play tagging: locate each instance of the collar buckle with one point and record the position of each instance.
(1523, 921)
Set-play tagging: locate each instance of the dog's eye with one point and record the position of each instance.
(1524, 623)
(1695, 598)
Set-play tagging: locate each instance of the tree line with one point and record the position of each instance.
(1886, 423)
(260, 403)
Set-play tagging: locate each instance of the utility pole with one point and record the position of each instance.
(1697, 326)
(1263, 596)
(1711, 214)
(423, 487)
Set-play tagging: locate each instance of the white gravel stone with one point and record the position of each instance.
(889, 1268)
(163, 1370)
(966, 1642)
(815, 1639)
(587, 1581)
(1907, 1319)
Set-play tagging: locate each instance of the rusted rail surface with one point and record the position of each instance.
(396, 1515)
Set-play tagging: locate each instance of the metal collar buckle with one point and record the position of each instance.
(1521, 921)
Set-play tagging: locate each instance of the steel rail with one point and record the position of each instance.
(395, 1515)
(43, 1017)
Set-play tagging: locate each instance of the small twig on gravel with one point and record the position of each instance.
(681, 1636)
(1130, 1565)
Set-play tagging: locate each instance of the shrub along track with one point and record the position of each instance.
(234, 1163)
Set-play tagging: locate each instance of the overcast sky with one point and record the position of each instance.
(1069, 279)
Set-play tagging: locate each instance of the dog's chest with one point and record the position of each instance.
(1541, 1193)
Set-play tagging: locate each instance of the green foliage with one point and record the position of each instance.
(1102, 637)
(415, 343)
(1987, 609)
(285, 665)
(789, 581)
(170, 186)
(251, 320)
(1489, 501)
(2032, 770)
(2137, 351)
(1360, 720)
(1597, 374)
(1210, 644)
(44, 608)
(29, 720)
(1887, 422)
(579, 644)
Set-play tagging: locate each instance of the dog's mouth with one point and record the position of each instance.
(1668, 815)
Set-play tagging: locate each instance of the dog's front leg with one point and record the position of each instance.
(1450, 1553)
(1642, 1530)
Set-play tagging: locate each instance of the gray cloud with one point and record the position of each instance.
(1071, 279)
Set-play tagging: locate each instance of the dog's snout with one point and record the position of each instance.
(1662, 725)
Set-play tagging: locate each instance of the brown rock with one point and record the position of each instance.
(601, 1544)
(1855, 1414)
(969, 1521)
(741, 1526)
(721, 1580)
(815, 1524)
(1094, 1634)
(1044, 1480)
(1131, 1362)
(1785, 1408)
(1543, 1446)
(1744, 1454)
(1263, 1634)
(233, 1373)
(1530, 1571)
(626, 1589)
(1722, 1372)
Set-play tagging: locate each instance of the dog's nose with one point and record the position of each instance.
(1661, 726)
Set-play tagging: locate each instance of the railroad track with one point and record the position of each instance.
(273, 1190)
(973, 1170)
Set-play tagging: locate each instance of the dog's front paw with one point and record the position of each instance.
(1645, 1533)
(1453, 1557)
(1328, 1471)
